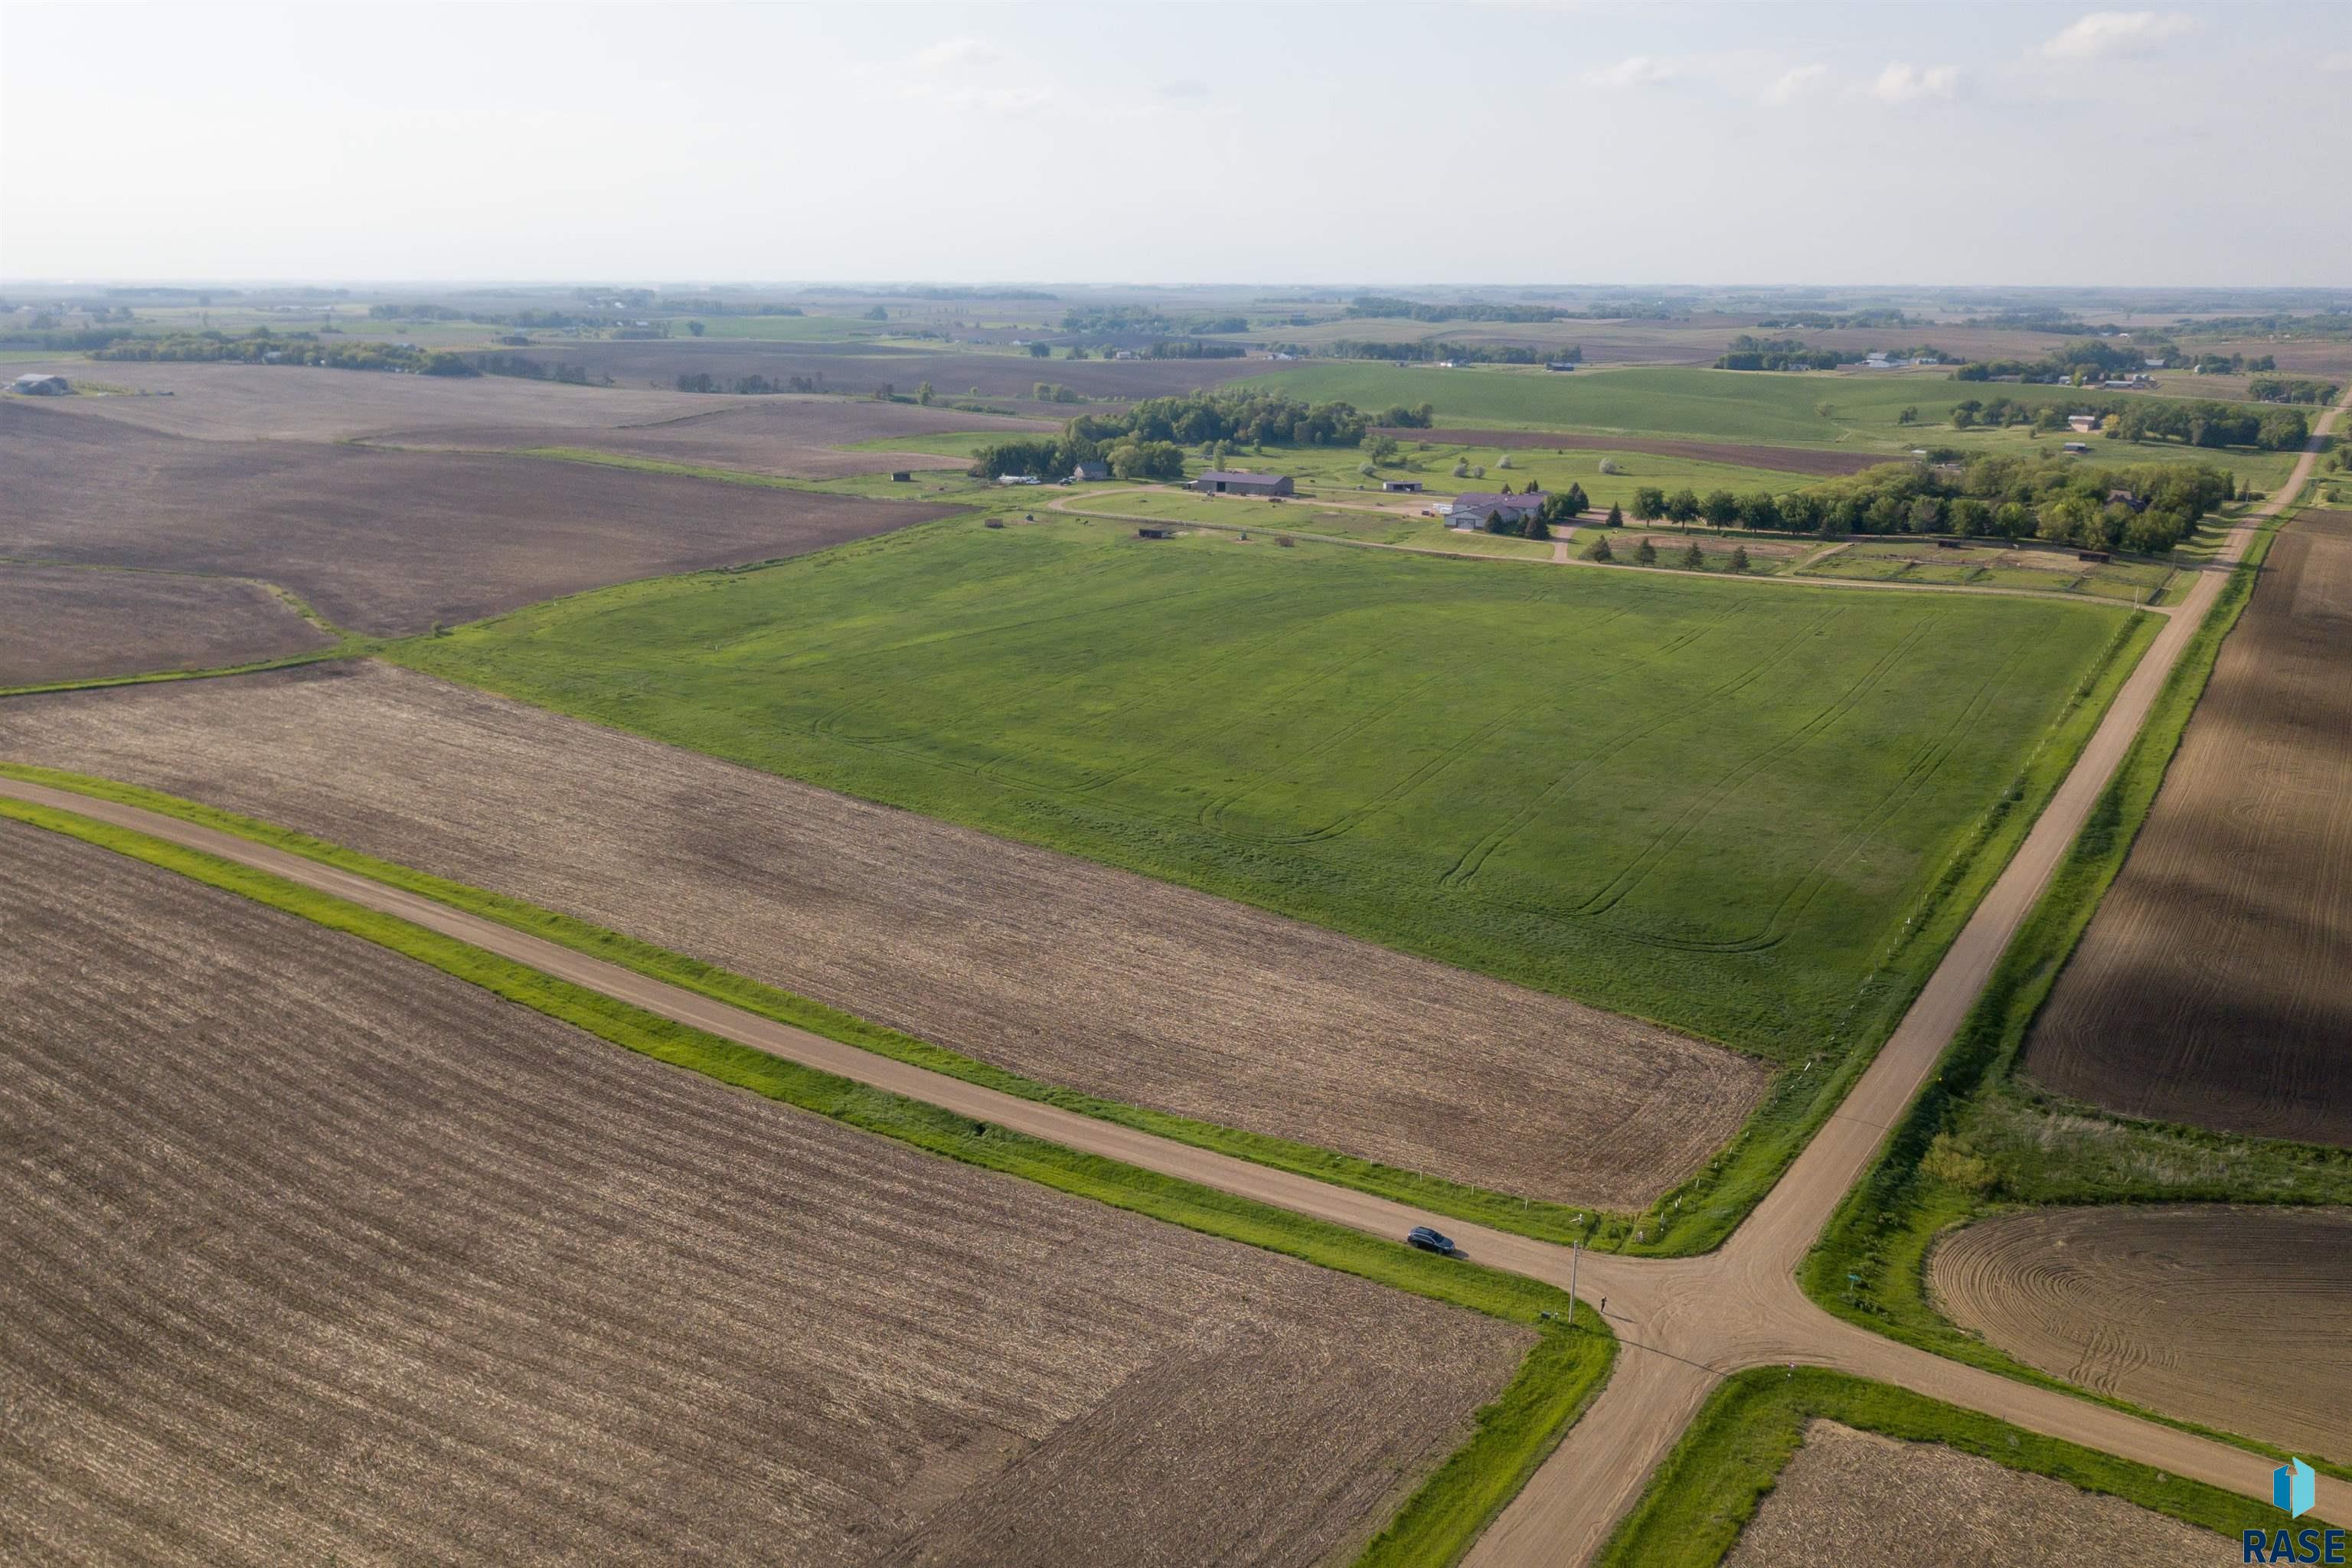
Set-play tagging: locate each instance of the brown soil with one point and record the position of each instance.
(2235, 1318)
(868, 367)
(388, 542)
(2214, 986)
(294, 402)
(316, 1255)
(70, 623)
(1788, 459)
(795, 437)
(1060, 969)
(1855, 1499)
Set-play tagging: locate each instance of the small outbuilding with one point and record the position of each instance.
(1229, 482)
(1090, 470)
(2077, 448)
(1401, 487)
(902, 476)
(1155, 533)
(40, 387)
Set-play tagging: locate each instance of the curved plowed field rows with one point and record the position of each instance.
(70, 623)
(314, 1254)
(1068, 972)
(2238, 1319)
(2214, 986)
(1857, 1499)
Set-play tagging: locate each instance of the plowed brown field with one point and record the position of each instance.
(795, 437)
(292, 403)
(70, 623)
(1855, 1499)
(1053, 966)
(388, 542)
(313, 1254)
(1789, 459)
(2238, 1318)
(2214, 986)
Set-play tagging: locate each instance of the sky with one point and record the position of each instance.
(1376, 144)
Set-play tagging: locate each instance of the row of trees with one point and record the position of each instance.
(262, 346)
(1419, 352)
(2146, 508)
(2290, 389)
(1049, 456)
(2274, 429)
(1242, 417)
(1414, 310)
(748, 386)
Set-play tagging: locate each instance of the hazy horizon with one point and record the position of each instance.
(1381, 145)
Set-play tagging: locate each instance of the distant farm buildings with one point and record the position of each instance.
(39, 386)
(1226, 482)
(1090, 470)
(2081, 424)
(1155, 533)
(1401, 487)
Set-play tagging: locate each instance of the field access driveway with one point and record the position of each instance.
(1686, 1321)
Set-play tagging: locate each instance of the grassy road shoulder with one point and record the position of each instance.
(1710, 1486)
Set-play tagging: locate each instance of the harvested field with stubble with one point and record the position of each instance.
(389, 543)
(316, 1254)
(74, 623)
(796, 438)
(2214, 986)
(2238, 1318)
(1857, 1499)
(1808, 461)
(1057, 968)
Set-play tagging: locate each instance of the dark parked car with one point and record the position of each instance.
(1428, 1241)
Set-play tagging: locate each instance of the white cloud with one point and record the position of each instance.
(962, 53)
(1183, 90)
(2339, 62)
(1794, 84)
(1902, 82)
(2104, 33)
(971, 74)
(1634, 70)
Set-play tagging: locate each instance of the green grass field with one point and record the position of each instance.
(1967, 564)
(1864, 408)
(1697, 802)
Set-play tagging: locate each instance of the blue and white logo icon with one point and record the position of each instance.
(2291, 1488)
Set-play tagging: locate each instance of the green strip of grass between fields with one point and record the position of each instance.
(1511, 1436)
(151, 677)
(1527, 1216)
(1711, 1485)
(1941, 1169)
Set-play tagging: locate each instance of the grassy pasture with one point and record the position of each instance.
(1685, 800)
(1990, 566)
(1777, 407)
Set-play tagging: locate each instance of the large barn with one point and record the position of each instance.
(1222, 482)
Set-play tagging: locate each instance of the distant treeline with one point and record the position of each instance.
(2146, 508)
(1460, 353)
(2290, 389)
(2194, 423)
(1194, 349)
(1148, 440)
(1142, 320)
(1414, 310)
(262, 346)
(1748, 352)
(2325, 324)
(749, 386)
(532, 369)
(1821, 322)
(943, 292)
(2080, 360)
